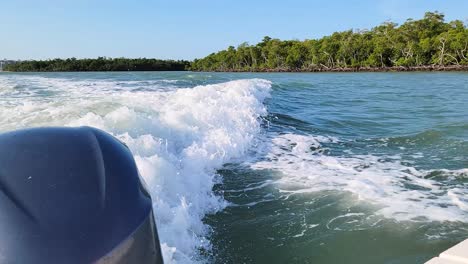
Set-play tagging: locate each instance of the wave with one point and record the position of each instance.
(179, 137)
(442, 134)
(399, 191)
(428, 137)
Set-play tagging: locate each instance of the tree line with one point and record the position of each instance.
(428, 42)
(99, 64)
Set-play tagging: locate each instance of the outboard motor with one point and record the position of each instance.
(73, 195)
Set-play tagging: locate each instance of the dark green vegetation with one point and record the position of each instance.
(426, 44)
(99, 64)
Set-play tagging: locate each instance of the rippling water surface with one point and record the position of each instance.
(278, 168)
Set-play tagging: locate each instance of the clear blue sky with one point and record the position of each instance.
(187, 29)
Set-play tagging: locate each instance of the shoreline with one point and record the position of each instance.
(430, 68)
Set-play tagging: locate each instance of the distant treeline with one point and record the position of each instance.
(429, 43)
(99, 64)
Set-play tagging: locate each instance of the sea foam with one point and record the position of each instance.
(397, 190)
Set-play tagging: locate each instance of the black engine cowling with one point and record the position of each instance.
(73, 195)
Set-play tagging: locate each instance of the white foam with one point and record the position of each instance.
(179, 138)
(400, 191)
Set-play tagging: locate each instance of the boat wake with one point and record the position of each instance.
(398, 190)
(179, 137)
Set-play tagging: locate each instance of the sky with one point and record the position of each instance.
(187, 29)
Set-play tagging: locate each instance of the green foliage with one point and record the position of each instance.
(99, 64)
(428, 41)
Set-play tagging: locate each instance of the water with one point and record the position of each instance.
(278, 168)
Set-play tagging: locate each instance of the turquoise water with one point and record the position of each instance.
(281, 167)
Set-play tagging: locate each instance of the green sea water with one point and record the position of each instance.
(363, 169)
(278, 167)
